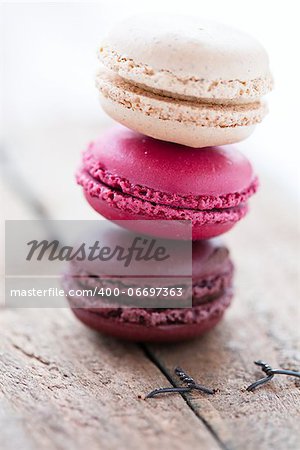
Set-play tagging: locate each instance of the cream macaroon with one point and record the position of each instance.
(184, 80)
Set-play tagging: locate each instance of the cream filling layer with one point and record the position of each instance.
(132, 97)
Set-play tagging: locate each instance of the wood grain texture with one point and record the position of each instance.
(65, 387)
(13, 208)
(263, 323)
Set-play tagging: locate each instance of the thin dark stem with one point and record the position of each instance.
(286, 372)
(185, 378)
(201, 388)
(191, 382)
(168, 390)
(259, 383)
(270, 372)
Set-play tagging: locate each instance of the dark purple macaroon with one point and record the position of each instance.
(210, 290)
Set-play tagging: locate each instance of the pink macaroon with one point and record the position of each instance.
(128, 176)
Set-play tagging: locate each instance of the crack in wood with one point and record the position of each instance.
(151, 356)
(230, 420)
(31, 355)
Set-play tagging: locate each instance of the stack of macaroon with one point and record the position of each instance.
(183, 90)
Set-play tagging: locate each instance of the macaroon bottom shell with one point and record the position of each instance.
(191, 135)
(141, 333)
(175, 229)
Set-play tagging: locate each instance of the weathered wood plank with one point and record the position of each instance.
(63, 386)
(47, 159)
(13, 208)
(263, 323)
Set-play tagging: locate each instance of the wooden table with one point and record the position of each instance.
(63, 386)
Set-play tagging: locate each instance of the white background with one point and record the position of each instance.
(49, 60)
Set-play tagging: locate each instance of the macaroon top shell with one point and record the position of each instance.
(189, 47)
(170, 168)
